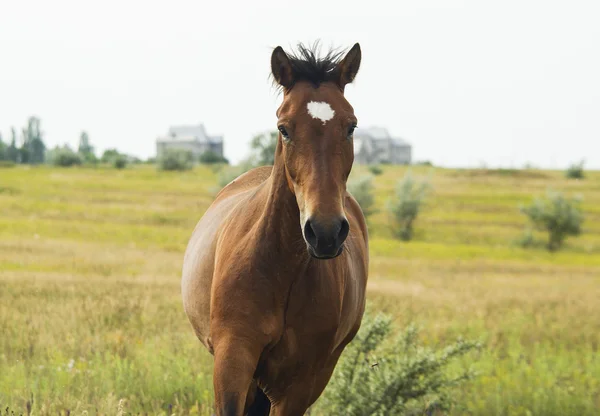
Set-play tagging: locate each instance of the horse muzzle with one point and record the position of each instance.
(325, 240)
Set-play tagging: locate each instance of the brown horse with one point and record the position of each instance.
(275, 273)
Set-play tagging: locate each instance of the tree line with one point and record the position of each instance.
(29, 148)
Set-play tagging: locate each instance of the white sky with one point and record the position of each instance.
(466, 82)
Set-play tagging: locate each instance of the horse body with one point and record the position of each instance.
(275, 318)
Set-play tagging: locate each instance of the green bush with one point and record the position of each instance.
(117, 159)
(380, 376)
(527, 239)
(89, 158)
(119, 162)
(263, 148)
(64, 157)
(559, 216)
(575, 171)
(109, 155)
(405, 205)
(7, 164)
(424, 163)
(375, 170)
(175, 159)
(362, 190)
(211, 158)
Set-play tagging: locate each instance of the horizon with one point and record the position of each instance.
(466, 84)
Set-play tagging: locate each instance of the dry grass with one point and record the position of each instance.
(91, 314)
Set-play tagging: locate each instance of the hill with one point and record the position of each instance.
(90, 305)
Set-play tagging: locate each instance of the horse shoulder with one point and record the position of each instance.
(357, 268)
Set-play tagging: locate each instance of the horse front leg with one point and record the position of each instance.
(235, 364)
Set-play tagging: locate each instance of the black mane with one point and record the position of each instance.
(307, 65)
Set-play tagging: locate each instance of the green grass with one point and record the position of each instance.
(91, 316)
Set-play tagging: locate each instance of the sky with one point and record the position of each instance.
(467, 83)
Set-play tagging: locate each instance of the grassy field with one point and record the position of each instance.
(91, 318)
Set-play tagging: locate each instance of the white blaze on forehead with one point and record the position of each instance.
(320, 110)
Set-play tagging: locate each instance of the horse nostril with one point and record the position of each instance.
(344, 230)
(309, 234)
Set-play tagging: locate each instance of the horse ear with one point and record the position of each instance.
(348, 67)
(282, 68)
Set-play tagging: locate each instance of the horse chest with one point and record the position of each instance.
(312, 329)
(299, 354)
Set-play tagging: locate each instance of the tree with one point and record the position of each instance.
(559, 216)
(120, 162)
(263, 148)
(109, 155)
(64, 156)
(209, 157)
(3, 149)
(404, 207)
(24, 150)
(32, 148)
(38, 151)
(575, 171)
(12, 152)
(362, 190)
(84, 143)
(175, 159)
(85, 149)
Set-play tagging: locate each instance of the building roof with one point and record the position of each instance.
(187, 133)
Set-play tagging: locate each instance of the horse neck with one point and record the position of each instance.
(280, 221)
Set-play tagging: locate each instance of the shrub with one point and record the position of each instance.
(64, 157)
(557, 215)
(108, 155)
(375, 170)
(362, 190)
(527, 239)
(424, 163)
(119, 162)
(405, 205)
(89, 158)
(377, 375)
(175, 159)
(117, 159)
(575, 171)
(7, 164)
(263, 148)
(211, 158)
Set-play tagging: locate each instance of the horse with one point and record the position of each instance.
(275, 272)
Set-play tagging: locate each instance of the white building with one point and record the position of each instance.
(375, 145)
(192, 138)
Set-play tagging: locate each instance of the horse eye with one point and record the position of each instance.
(351, 130)
(283, 132)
